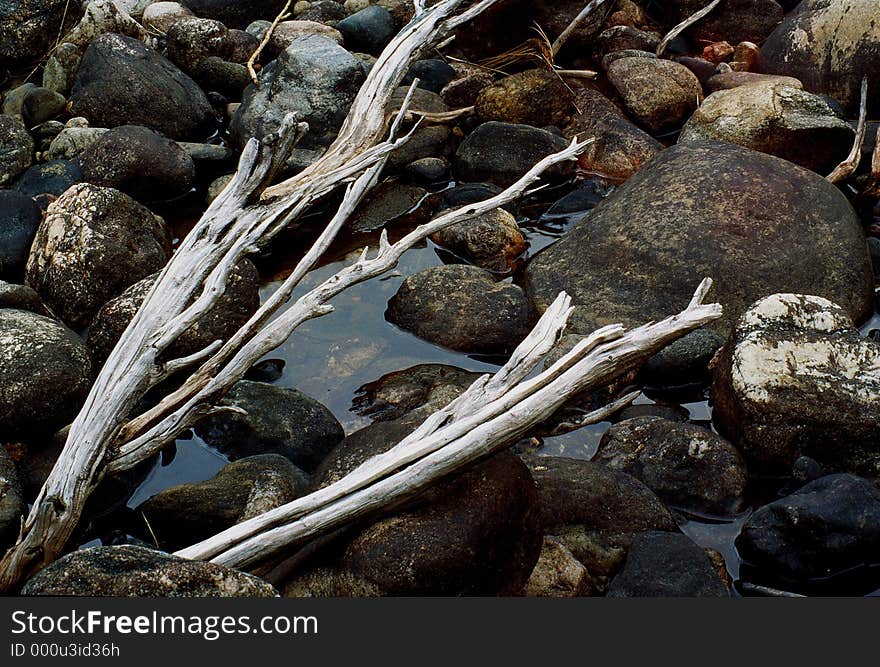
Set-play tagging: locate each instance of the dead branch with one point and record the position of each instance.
(846, 168)
(489, 416)
(588, 9)
(246, 215)
(282, 15)
(684, 25)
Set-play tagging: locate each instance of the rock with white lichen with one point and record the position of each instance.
(797, 379)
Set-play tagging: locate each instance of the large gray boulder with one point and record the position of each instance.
(797, 379)
(123, 82)
(755, 223)
(829, 45)
(28, 28)
(94, 243)
(45, 374)
(315, 79)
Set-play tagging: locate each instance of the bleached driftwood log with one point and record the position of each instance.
(487, 417)
(245, 216)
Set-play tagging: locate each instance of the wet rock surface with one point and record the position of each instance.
(21, 217)
(189, 513)
(534, 97)
(797, 379)
(492, 241)
(93, 243)
(826, 527)
(130, 571)
(12, 505)
(478, 314)
(122, 82)
(276, 420)
(685, 465)
(16, 148)
(661, 564)
(45, 373)
(709, 209)
(557, 574)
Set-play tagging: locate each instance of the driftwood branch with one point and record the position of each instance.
(582, 16)
(282, 15)
(684, 25)
(491, 414)
(846, 168)
(244, 217)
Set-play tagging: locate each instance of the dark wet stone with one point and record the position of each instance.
(477, 314)
(315, 79)
(189, 513)
(122, 82)
(240, 300)
(21, 297)
(40, 105)
(683, 362)
(796, 378)
(492, 241)
(533, 97)
(19, 219)
(330, 583)
(28, 28)
(620, 148)
(102, 241)
(827, 526)
(191, 40)
(11, 500)
(700, 210)
(268, 370)
(49, 178)
(624, 37)
(278, 421)
(426, 142)
(368, 30)
(139, 162)
(395, 394)
(45, 374)
(476, 533)
(61, 67)
(685, 465)
(829, 45)
(16, 148)
(329, 12)
(666, 565)
(388, 203)
(673, 413)
(734, 21)
(215, 74)
(501, 153)
(433, 74)
(131, 571)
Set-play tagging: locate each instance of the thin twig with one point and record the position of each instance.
(263, 42)
(846, 168)
(684, 25)
(590, 7)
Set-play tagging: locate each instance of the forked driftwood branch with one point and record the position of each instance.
(246, 215)
(490, 415)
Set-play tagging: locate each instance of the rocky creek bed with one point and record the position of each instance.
(750, 464)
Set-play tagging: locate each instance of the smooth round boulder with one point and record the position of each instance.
(130, 571)
(93, 243)
(830, 45)
(139, 162)
(463, 308)
(666, 565)
(660, 94)
(501, 153)
(49, 178)
(755, 223)
(45, 374)
(367, 30)
(534, 97)
(123, 82)
(275, 420)
(492, 241)
(827, 527)
(19, 219)
(685, 465)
